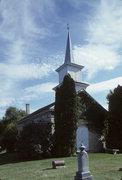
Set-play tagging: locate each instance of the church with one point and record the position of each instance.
(90, 139)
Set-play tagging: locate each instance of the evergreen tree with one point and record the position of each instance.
(113, 123)
(66, 117)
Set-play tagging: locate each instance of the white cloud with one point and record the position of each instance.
(20, 18)
(96, 58)
(6, 92)
(102, 50)
(105, 85)
(25, 71)
(37, 91)
(6, 101)
(22, 26)
(106, 26)
(41, 88)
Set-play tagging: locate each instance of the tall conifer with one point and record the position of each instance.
(113, 123)
(66, 117)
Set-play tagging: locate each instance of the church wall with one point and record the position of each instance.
(75, 73)
(62, 73)
(42, 117)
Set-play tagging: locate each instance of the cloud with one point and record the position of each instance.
(25, 71)
(6, 101)
(105, 85)
(37, 91)
(96, 58)
(23, 24)
(106, 25)
(102, 50)
(79, 3)
(22, 18)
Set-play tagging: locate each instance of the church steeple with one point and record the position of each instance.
(70, 67)
(69, 54)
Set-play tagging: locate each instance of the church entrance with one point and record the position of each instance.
(82, 136)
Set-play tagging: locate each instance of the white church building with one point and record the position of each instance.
(46, 114)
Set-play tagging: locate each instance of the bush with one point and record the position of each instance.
(35, 141)
(8, 138)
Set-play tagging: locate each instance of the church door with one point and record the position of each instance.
(82, 136)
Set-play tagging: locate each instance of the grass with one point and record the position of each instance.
(102, 167)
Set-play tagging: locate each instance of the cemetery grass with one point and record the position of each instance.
(102, 167)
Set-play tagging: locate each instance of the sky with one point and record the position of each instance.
(33, 41)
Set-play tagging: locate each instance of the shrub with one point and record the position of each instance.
(9, 136)
(35, 141)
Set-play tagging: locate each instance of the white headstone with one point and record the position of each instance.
(83, 172)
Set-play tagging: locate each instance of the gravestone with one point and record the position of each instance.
(58, 164)
(83, 172)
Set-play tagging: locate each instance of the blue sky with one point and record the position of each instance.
(32, 45)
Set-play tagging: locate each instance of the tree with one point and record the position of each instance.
(66, 117)
(35, 141)
(9, 132)
(113, 123)
(13, 114)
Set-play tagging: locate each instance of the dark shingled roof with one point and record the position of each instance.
(37, 112)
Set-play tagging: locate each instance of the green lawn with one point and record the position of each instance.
(102, 167)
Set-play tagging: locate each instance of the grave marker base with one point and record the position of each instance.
(83, 176)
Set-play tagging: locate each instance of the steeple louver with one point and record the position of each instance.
(69, 54)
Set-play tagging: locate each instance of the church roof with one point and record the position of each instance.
(48, 107)
(84, 84)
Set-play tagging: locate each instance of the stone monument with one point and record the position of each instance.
(83, 172)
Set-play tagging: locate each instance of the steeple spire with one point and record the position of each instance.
(69, 54)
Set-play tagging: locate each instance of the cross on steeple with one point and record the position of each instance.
(68, 27)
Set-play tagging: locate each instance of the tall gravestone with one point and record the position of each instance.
(83, 172)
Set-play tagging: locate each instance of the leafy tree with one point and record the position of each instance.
(113, 123)
(9, 124)
(35, 141)
(13, 114)
(66, 117)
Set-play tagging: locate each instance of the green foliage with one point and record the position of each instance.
(8, 128)
(9, 137)
(113, 123)
(2, 126)
(13, 114)
(92, 112)
(66, 118)
(35, 141)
